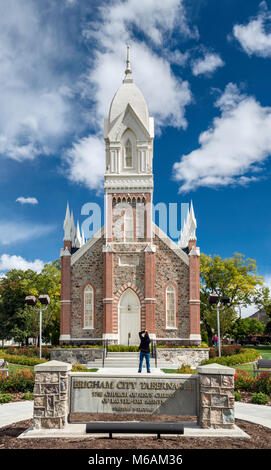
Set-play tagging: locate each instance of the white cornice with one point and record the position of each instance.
(128, 182)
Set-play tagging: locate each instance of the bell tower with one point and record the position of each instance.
(128, 184)
(128, 181)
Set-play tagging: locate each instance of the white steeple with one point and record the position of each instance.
(188, 231)
(78, 241)
(128, 134)
(67, 224)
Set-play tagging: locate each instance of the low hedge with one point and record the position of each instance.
(181, 346)
(248, 355)
(23, 360)
(28, 351)
(78, 346)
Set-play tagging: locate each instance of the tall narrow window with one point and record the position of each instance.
(128, 225)
(128, 155)
(170, 307)
(88, 307)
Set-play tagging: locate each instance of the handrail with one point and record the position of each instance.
(155, 356)
(105, 350)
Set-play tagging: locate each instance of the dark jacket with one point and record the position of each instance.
(144, 342)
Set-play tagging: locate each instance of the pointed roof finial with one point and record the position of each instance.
(128, 72)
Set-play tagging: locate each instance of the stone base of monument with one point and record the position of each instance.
(73, 431)
(60, 394)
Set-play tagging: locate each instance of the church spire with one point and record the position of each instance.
(128, 72)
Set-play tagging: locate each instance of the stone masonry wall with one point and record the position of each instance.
(181, 356)
(88, 268)
(169, 267)
(76, 355)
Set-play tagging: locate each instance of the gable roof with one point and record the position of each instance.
(170, 243)
(75, 257)
(156, 230)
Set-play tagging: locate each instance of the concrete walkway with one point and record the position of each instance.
(258, 414)
(17, 411)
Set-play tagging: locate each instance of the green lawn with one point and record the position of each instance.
(13, 367)
(265, 353)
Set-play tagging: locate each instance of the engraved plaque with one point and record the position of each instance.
(142, 395)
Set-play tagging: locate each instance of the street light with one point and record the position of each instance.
(44, 300)
(214, 299)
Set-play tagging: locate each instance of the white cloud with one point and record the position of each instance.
(27, 200)
(207, 65)
(255, 36)
(12, 232)
(35, 110)
(155, 20)
(86, 161)
(234, 147)
(8, 262)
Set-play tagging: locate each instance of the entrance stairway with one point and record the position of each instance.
(127, 360)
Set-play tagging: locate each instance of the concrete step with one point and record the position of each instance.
(128, 364)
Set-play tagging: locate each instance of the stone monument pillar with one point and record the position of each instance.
(51, 395)
(216, 396)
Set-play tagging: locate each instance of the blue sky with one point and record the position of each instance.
(204, 68)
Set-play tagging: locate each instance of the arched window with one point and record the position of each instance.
(170, 307)
(128, 154)
(88, 307)
(129, 225)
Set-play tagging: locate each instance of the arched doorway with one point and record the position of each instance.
(129, 318)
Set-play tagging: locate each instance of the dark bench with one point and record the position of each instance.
(167, 427)
(262, 365)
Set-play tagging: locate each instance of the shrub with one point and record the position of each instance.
(21, 381)
(260, 398)
(121, 348)
(5, 397)
(74, 346)
(262, 383)
(23, 360)
(237, 396)
(28, 396)
(226, 351)
(32, 351)
(248, 355)
(243, 381)
(185, 369)
(79, 368)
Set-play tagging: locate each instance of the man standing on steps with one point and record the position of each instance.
(144, 350)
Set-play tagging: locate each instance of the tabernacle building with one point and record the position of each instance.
(130, 276)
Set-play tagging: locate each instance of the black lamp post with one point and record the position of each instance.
(214, 299)
(32, 301)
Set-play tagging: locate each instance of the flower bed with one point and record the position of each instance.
(27, 352)
(20, 359)
(249, 387)
(21, 381)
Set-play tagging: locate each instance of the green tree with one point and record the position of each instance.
(21, 321)
(262, 299)
(243, 327)
(234, 277)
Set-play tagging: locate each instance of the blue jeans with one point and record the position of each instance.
(141, 358)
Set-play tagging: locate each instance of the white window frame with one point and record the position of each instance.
(170, 289)
(90, 326)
